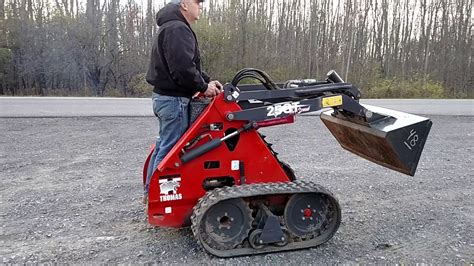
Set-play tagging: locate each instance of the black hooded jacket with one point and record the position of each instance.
(175, 65)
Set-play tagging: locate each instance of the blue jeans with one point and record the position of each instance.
(173, 121)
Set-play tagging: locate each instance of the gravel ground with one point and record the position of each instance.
(70, 193)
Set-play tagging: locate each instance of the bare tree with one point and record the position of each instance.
(102, 47)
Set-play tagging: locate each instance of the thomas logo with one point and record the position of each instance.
(169, 189)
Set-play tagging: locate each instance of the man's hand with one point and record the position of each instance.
(218, 84)
(213, 88)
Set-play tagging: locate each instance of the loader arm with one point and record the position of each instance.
(287, 102)
(389, 138)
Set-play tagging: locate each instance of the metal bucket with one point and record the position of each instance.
(395, 142)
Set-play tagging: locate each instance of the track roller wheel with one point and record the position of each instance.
(254, 239)
(226, 224)
(312, 215)
(285, 240)
(256, 243)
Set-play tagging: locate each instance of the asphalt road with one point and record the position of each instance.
(132, 107)
(70, 190)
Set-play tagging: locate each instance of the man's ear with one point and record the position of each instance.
(184, 5)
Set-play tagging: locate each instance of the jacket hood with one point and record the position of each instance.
(168, 13)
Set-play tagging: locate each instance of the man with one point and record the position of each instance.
(175, 72)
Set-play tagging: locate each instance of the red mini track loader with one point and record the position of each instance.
(224, 179)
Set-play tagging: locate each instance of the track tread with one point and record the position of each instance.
(250, 190)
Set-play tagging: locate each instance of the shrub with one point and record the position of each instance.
(418, 86)
(139, 87)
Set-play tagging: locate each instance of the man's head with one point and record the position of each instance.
(191, 9)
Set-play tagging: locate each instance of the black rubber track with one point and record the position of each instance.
(264, 189)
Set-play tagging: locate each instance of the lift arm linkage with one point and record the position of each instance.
(286, 102)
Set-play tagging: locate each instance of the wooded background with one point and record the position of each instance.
(399, 48)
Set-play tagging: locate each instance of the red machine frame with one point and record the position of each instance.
(261, 166)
